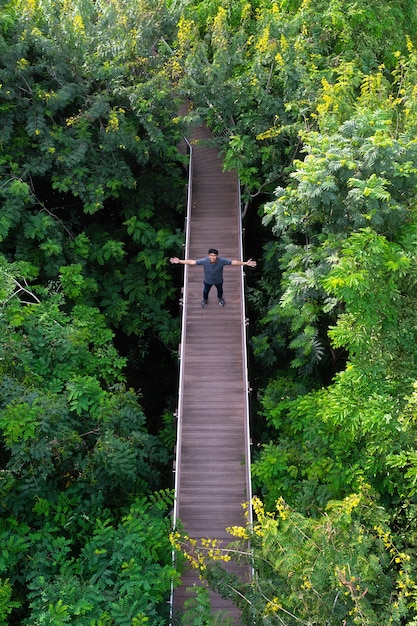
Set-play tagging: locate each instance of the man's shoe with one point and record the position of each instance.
(221, 302)
(203, 303)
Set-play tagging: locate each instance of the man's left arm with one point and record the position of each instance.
(248, 263)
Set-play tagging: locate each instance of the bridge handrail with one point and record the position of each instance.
(246, 372)
(181, 356)
(183, 327)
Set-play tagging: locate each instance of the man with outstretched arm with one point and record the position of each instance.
(213, 265)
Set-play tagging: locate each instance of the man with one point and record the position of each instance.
(213, 265)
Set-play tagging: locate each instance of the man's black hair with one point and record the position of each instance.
(213, 251)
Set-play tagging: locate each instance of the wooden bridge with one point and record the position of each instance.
(212, 467)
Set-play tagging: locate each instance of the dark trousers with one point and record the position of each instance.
(207, 288)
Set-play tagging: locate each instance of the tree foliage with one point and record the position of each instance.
(342, 566)
(340, 562)
(86, 155)
(255, 71)
(314, 105)
(79, 520)
(346, 223)
(91, 181)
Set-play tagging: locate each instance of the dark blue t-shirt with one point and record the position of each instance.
(213, 272)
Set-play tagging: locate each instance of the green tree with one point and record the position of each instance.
(360, 176)
(89, 143)
(330, 438)
(81, 529)
(122, 575)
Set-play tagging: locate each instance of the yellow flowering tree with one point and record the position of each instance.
(341, 566)
(255, 71)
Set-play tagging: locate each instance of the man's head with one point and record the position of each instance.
(213, 254)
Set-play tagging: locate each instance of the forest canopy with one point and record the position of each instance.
(314, 104)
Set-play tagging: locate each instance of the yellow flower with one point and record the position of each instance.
(238, 531)
(272, 607)
(22, 64)
(263, 43)
(279, 59)
(282, 509)
(306, 583)
(78, 24)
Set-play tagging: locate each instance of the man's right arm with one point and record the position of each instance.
(175, 260)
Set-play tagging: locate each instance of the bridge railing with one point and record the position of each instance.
(184, 304)
(248, 451)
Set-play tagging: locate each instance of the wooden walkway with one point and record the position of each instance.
(212, 456)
